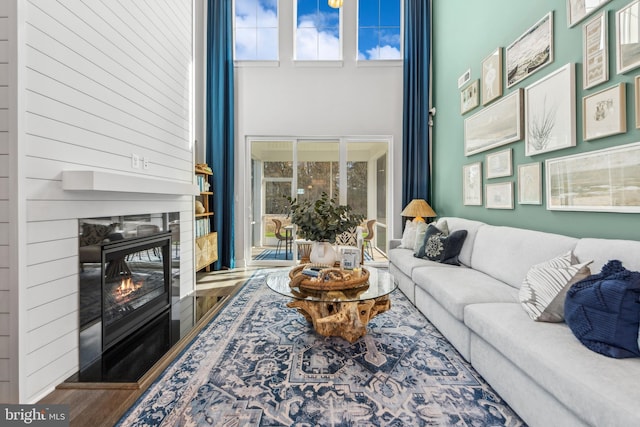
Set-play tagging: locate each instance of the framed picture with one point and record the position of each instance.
(550, 112)
(464, 78)
(628, 37)
(499, 164)
(472, 184)
(492, 76)
(577, 10)
(604, 113)
(595, 51)
(530, 184)
(469, 97)
(606, 180)
(531, 51)
(496, 125)
(637, 101)
(499, 195)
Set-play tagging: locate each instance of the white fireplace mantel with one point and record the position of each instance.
(93, 180)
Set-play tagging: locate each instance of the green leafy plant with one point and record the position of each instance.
(322, 220)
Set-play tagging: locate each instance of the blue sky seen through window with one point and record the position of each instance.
(317, 34)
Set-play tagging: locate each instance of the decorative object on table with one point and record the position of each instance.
(499, 164)
(350, 258)
(577, 10)
(499, 195)
(493, 126)
(595, 51)
(628, 37)
(550, 112)
(530, 184)
(469, 97)
(604, 113)
(321, 221)
(595, 181)
(328, 278)
(199, 207)
(472, 184)
(492, 76)
(418, 209)
(531, 51)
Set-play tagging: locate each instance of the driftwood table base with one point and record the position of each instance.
(341, 319)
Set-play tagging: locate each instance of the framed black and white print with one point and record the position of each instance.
(595, 51)
(628, 37)
(550, 117)
(469, 97)
(472, 184)
(499, 195)
(530, 183)
(492, 76)
(577, 10)
(531, 51)
(499, 164)
(604, 113)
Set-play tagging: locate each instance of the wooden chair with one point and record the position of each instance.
(367, 240)
(280, 237)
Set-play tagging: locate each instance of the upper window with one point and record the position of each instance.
(256, 30)
(379, 29)
(317, 31)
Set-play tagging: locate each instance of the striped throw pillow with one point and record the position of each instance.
(545, 287)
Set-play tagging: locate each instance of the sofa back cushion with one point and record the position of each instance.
(507, 253)
(455, 224)
(603, 250)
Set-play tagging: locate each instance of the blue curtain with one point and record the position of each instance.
(220, 125)
(415, 127)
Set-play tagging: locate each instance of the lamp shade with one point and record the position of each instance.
(418, 208)
(335, 3)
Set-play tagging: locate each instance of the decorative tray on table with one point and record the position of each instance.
(327, 278)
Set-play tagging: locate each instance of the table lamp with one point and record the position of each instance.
(419, 209)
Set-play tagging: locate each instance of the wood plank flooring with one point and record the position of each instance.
(102, 405)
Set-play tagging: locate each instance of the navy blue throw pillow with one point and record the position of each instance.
(444, 249)
(603, 311)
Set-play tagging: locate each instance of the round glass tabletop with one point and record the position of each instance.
(380, 283)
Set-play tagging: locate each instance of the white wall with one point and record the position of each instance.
(7, 86)
(99, 82)
(295, 99)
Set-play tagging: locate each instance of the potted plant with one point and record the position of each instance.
(320, 222)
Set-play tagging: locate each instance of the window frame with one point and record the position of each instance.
(256, 62)
(378, 61)
(314, 62)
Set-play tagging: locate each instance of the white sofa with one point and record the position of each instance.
(547, 376)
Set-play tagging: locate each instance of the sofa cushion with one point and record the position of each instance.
(603, 250)
(443, 248)
(408, 240)
(456, 287)
(93, 234)
(586, 382)
(507, 253)
(421, 231)
(472, 227)
(543, 290)
(404, 260)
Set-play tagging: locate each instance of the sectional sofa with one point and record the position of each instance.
(547, 376)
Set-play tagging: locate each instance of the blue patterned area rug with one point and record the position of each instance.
(259, 363)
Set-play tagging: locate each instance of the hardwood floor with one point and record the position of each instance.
(102, 404)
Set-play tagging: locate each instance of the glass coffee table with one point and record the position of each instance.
(343, 313)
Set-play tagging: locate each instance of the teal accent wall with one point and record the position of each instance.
(464, 33)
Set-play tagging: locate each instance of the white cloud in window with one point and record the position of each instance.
(252, 15)
(313, 44)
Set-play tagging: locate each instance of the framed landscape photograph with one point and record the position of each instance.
(472, 184)
(577, 10)
(595, 51)
(531, 51)
(499, 195)
(499, 164)
(628, 37)
(637, 100)
(550, 112)
(606, 180)
(604, 113)
(469, 97)
(530, 184)
(496, 125)
(492, 76)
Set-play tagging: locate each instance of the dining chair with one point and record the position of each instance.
(367, 240)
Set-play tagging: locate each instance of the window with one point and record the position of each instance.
(317, 32)
(256, 30)
(379, 29)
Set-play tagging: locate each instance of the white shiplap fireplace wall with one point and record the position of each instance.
(97, 82)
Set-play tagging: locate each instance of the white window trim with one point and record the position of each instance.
(317, 61)
(380, 62)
